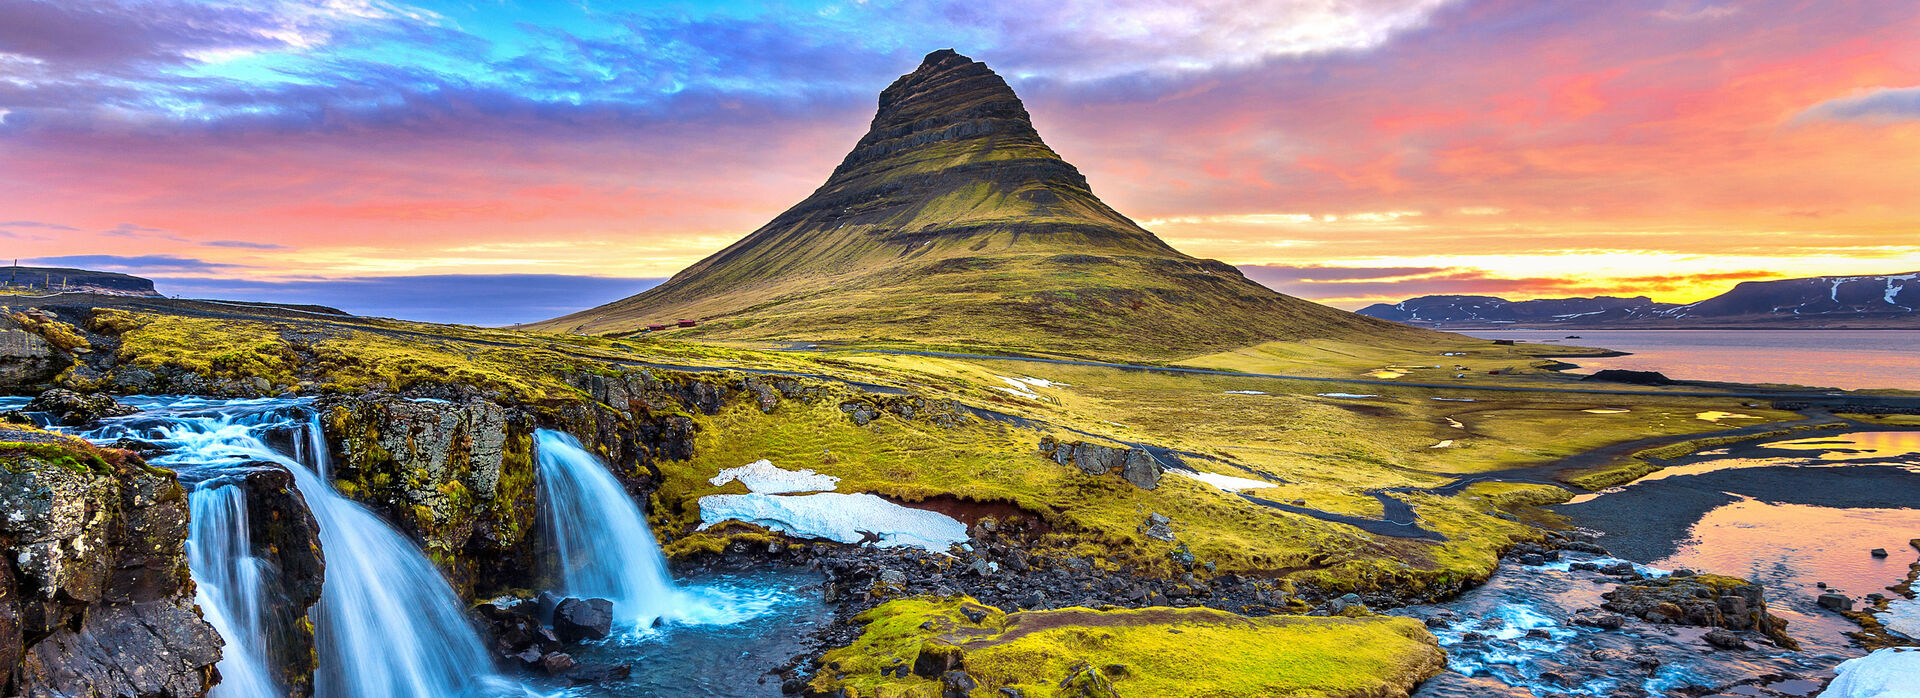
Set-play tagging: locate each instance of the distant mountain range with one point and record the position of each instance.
(1890, 301)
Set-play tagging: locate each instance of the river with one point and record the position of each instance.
(1847, 359)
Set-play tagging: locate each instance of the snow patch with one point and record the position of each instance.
(764, 477)
(1445, 443)
(1903, 616)
(1024, 385)
(1455, 423)
(1245, 392)
(1886, 673)
(1454, 399)
(837, 517)
(1225, 483)
(1346, 395)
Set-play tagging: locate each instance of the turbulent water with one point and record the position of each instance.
(387, 623)
(1790, 515)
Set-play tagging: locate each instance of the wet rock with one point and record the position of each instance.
(284, 535)
(1878, 552)
(72, 409)
(595, 673)
(575, 620)
(97, 597)
(1702, 600)
(1835, 602)
(1722, 638)
(556, 663)
(1597, 619)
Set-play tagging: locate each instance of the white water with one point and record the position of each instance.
(230, 584)
(386, 624)
(602, 546)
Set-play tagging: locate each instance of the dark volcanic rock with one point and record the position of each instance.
(100, 600)
(575, 620)
(284, 534)
(72, 409)
(1701, 600)
(1620, 375)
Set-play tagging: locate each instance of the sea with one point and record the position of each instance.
(1845, 359)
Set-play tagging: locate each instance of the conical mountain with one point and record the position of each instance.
(952, 222)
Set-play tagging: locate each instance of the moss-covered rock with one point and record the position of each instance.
(1702, 600)
(101, 600)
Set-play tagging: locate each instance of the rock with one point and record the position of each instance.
(71, 409)
(1596, 619)
(1722, 638)
(284, 535)
(556, 663)
(1157, 527)
(1134, 465)
(575, 620)
(1835, 602)
(1878, 552)
(937, 659)
(1701, 600)
(1617, 375)
(956, 684)
(27, 360)
(594, 673)
(97, 599)
(893, 577)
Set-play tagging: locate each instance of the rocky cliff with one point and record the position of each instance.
(95, 597)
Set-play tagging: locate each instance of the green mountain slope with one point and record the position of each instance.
(951, 222)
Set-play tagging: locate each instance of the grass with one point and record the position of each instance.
(1144, 652)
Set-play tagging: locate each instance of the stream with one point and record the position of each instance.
(1791, 515)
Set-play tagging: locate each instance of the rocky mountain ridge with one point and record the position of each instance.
(1859, 302)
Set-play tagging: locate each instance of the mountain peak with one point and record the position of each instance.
(952, 221)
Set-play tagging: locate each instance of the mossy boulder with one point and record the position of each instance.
(1708, 600)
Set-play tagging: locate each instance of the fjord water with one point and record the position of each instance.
(386, 624)
(1847, 359)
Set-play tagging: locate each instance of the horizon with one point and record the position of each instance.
(1348, 156)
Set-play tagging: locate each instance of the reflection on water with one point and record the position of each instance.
(1850, 359)
(1890, 447)
(1790, 548)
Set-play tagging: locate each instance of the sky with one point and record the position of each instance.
(411, 158)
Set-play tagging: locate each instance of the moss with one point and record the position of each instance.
(1145, 652)
(59, 334)
(64, 456)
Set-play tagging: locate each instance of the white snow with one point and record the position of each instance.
(1446, 443)
(1346, 395)
(1024, 385)
(1245, 392)
(1039, 382)
(1454, 399)
(1903, 616)
(764, 477)
(1225, 483)
(1455, 423)
(1886, 673)
(837, 517)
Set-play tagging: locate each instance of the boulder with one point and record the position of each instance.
(1722, 638)
(1135, 465)
(1157, 527)
(71, 409)
(283, 534)
(956, 684)
(575, 620)
(1835, 602)
(1701, 600)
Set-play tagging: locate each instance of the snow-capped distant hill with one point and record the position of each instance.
(1864, 302)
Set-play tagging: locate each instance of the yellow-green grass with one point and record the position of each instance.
(1647, 460)
(1143, 652)
(1894, 420)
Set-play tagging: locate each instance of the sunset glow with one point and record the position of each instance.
(1345, 152)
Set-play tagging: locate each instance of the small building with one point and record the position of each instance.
(688, 323)
(656, 328)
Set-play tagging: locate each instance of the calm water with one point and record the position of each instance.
(1849, 359)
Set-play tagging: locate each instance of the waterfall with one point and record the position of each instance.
(229, 580)
(602, 545)
(387, 623)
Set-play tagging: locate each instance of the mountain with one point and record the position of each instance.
(19, 279)
(952, 222)
(1865, 302)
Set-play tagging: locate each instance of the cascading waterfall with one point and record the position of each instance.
(230, 586)
(602, 546)
(386, 624)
